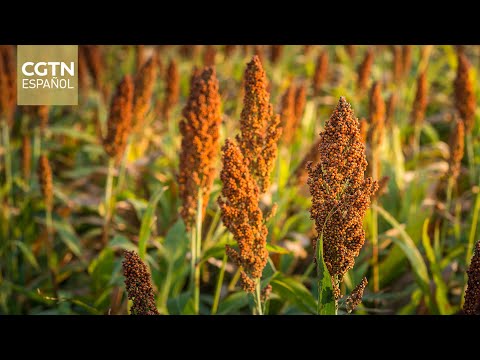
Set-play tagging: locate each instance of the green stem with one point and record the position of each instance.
(218, 288)
(374, 229)
(193, 251)
(123, 168)
(109, 201)
(49, 248)
(235, 278)
(8, 160)
(163, 296)
(258, 298)
(198, 244)
(471, 157)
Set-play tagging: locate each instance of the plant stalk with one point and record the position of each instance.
(258, 298)
(218, 288)
(108, 200)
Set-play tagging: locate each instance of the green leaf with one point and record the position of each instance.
(71, 132)
(295, 292)
(233, 303)
(176, 241)
(407, 245)
(147, 222)
(68, 236)
(326, 299)
(441, 291)
(101, 269)
(277, 249)
(27, 253)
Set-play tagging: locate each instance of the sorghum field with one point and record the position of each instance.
(245, 180)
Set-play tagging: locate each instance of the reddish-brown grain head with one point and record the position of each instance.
(340, 192)
(119, 119)
(229, 50)
(465, 101)
(144, 84)
(364, 70)
(209, 55)
(321, 72)
(8, 83)
(138, 283)
(472, 294)
(95, 63)
(356, 296)
(287, 114)
(397, 66)
(259, 126)
(421, 101)
(406, 59)
(242, 216)
(275, 53)
(376, 113)
(139, 56)
(200, 143)
(351, 51)
(300, 102)
(172, 90)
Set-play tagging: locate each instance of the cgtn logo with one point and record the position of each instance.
(47, 75)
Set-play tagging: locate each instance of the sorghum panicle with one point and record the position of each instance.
(397, 63)
(229, 50)
(406, 59)
(242, 216)
(259, 50)
(351, 50)
(44, 172)
(376, 113)
(209, 55)
(275, 53)
(340, 192)
(119, 119)
(364, 70)
(82, 71)
(457, 144)
(94, 58)
(421, 101)
(472, 294)
(138, 283)
(464, 92)
(172, 90)
(300, 101)
(321, 72)
(259, 126)
(139, 56)
(287, 114)
(8, 83)
(200, 143)
(356, 296)
(307, 49)
(144, 84)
